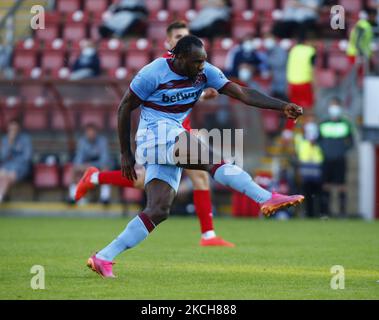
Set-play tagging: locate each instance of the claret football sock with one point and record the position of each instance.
(136, 231)
(234, 177)
(114, 178)
(203, 208)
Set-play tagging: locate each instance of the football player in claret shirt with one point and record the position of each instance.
(200, 179)
(166, 90)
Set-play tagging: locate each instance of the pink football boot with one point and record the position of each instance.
(102, 267)
(279, 201)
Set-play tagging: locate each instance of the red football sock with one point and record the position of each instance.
(203, 208)
(115, 178)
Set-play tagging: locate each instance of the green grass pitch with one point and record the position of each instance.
(272, 260)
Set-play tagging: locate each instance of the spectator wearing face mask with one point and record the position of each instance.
(309, 159)
(246, 76)
(246, 52)
(87, 65)
(336, 139)
(277, 62)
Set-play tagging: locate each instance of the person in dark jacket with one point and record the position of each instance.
(87, 65)
(336, 139)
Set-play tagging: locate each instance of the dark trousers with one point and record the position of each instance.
(313, 201)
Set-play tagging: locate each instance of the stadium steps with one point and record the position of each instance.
(62, 209)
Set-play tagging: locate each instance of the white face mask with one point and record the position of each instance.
(88, 51)
(311, 131)
(335, 111)
(248, 46)
(245, 74)
(269, 43)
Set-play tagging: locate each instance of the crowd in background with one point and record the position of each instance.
(321, 145)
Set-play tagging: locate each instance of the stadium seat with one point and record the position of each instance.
(67, 174)
(270, 121)
(110, 59)
(241, 28)
(96, 6)
(351, 6)
(58, 119)
(35, 118)
(218, 58)
(157, 30)
(131, 195)
(178, 5)
(27, 44)
(264, 5)
(50, 33)
(46, 176)
(339, 61)
(68, 6)
(111, 44)
(52, 59)
(75, 31)
(24, 59)
(325, 78)
(155, 5)
(136, 59)
(56, 44)
(91, 115)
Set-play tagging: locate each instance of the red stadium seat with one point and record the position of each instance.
(136, 59)
(58, 119)
(157, 30)
(178, 5)
(325, 78)
(52, 59)
(35, 118)
(241, 28)
(139, 44)
(110, 59)
(352, 6)
(264, 5)
(218, 58)
(132, 195)
(68, 6)
(95, 6)
(24, 59)
(46, 176)
(270, 121)
(223, 44)
(91, 115)
(158, 53)
(75, 31)
(67, 174)
(50, 33)
(155, 5)
(339, 61)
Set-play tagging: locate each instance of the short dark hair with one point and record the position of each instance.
(179, 24)
(184, 45)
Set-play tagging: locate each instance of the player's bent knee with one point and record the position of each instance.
(159, 214)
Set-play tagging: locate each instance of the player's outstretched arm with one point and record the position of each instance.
(257, 99)
(128, 103)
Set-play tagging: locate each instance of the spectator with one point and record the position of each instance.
(5, 60)
(246, 52)
(336, 139)
(300, 65)
(87, 65)
(246, 76)
(15, 157)
(361, 36)
(299, 16)
(309, 160)
(277, 58)
(211, 19)
(122, 17)
(92, 150)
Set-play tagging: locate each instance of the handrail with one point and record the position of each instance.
(10, 12)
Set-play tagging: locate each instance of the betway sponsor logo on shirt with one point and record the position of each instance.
(180, 96)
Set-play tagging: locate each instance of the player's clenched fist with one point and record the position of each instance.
(293, 111)
(127, 166)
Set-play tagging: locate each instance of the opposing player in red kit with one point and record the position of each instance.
(200, 179)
